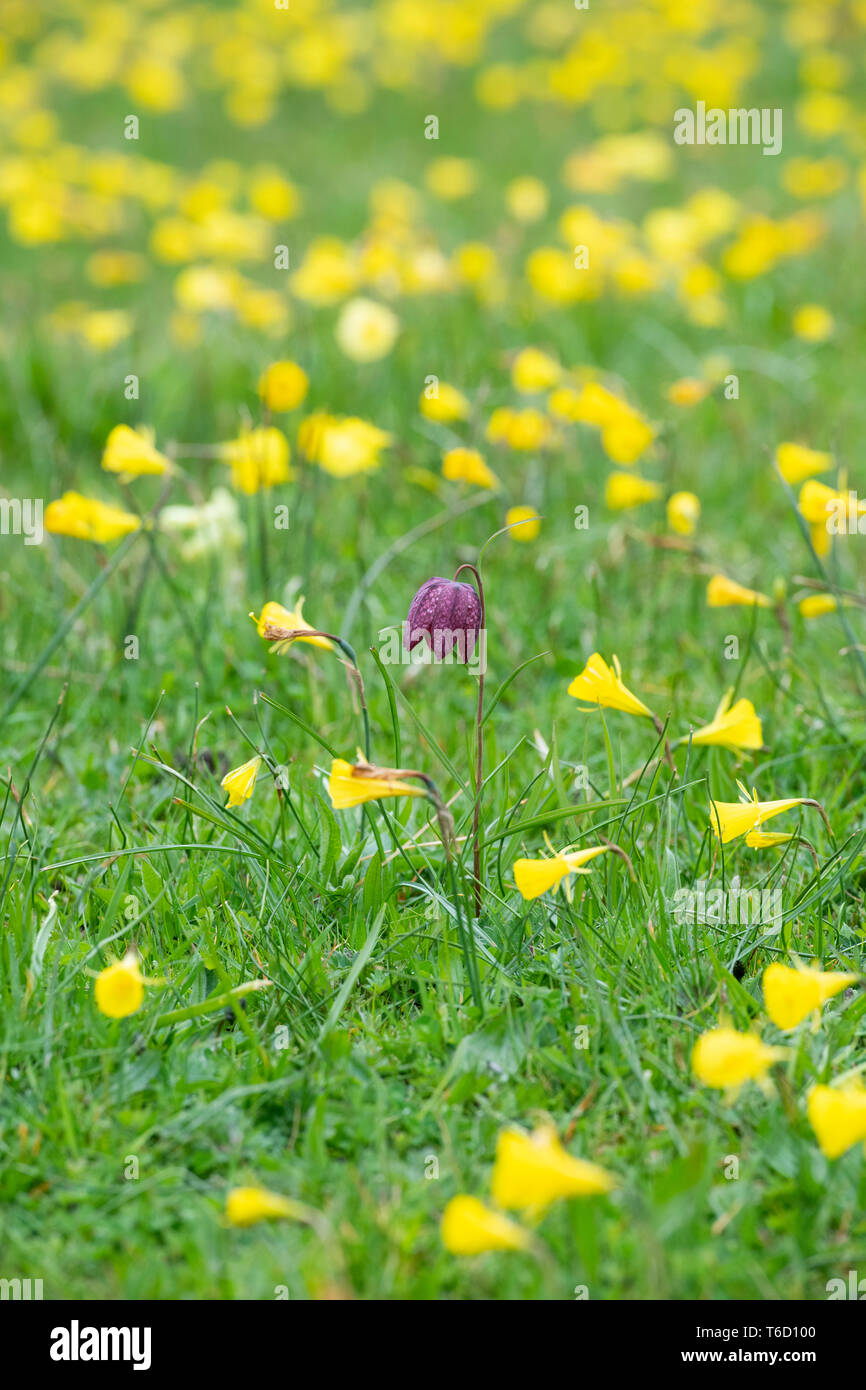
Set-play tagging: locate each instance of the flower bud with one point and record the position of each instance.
(446, 613)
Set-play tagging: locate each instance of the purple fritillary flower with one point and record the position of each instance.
(445, 613)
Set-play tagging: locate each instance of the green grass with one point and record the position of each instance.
(366, 1059)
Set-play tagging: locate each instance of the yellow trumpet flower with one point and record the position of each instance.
(87, 519)
(470, 1228)
(467, 466)
(351, 784)
(240, 783)
(796, 462)
(119, 988)
(275, 622)
(533, 1170)
(837, 1114)
(132, 452)
(792, 993)
(599, 684)
(736, 727)
(247, 1205)
(535, 876)
(726, 593)
(731, 819)
(725, 1059)
(625, 490)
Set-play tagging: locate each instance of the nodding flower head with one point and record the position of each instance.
(445, 613)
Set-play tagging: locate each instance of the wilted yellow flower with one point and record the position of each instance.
(599, 684)
(450, 178)
(366, 331)
(533, 370)
(725, 593)
(838, 1116)
(626, 437)
(446, 405)
(467, 466)
(526, 199)
(791, 993)
(816, 605)
(731, 819)
(688, 391)
(736, 727)
(535, 877)
(795, 462)
(275, 618)
(471, 1228)
(524, 523)
(283, 385)
(351, 784)
(767, 839)
(240, 783)
(119, 988)
(683, 512)
(87, 519)
(533, 1170)
(247, 1205)
(725, 1059)
(259, 458)
(132, 452)
(813, 323)
(625, 490)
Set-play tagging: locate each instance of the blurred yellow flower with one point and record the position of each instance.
(683, 512)
(445, 405)
(792, 993)
(625, 490)
(132, 452)
(247, 1205)
(533, 1170)
(727, 593)
(240, 783)
(87, 519)
(816, 605)
(283, 386)
(533, 370)
(837, 1114)
(524, 523)
(119, 988)
(342, 447)
(471, 1228)
(467, 466)
(451, 178)
(625, 438)
(688, 391)
(813, 323)
(526, 199)
(366, 331)
(259, 458)
(725, 1059)
(600, 684)
(796, 462)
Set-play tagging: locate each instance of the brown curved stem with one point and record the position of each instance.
(479, 750)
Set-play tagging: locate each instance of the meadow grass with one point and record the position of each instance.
(364, 1080)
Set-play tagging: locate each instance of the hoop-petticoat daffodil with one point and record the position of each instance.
(731, 819)
(600, 684)
(796, 462)
(791, 993)
(447, 405)
(351, 784)
(536, 876)
(247, 1205)
(533, 1170)
(240, 783)
(625, 490)
(726, 1059)
(837, 1114)
(767, 839)
(132, 452)
(727, 593)
(470, 1228)
(275, 623)
(119, 988)
(683, 512)
(821, 505)
(736, 727)
(259, 458)
(468, 466)
(87, 519)
(283, 386)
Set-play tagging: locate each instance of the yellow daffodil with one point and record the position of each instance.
(259, 458)
(366, 331)
(119, 988)
(817, 605)
(818, 503)
(796, 462)
(533, 1170)
(471, 1228)
(445, 406)
(524, 523)
(625, 438)
(767, 839)
(526, 199)
(342, 447)
(533, 370)
(132, 452)
(275, 619)
(87, 519)
(593, 404)
(450, 178)
(792, 993)
(600, 684)
(813, 323)
(688, 391)
(247, 1205)
(536, 876)
(727, 593)
(625, 490)
(736, 727)
(351, 784)
(837, 1114)
(468, 466)
(730, 819)
(683, 512)
(725, 1059)
(240, 783)
(283, 386)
